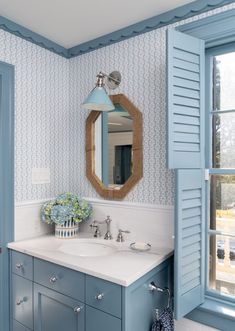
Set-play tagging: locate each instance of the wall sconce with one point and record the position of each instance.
(98, 98)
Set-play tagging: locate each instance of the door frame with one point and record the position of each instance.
(6, 187)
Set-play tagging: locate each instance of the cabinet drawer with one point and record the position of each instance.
(103, 295)
(97, 320)
(22, 265)
(60, 279)
(19, 327)
(22, 291)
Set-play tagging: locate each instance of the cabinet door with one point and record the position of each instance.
(97, 320)
(19, 327)
(22, 301)
(56, 312)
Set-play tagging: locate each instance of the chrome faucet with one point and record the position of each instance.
(120, 237)
(108, 235)
(96, 224)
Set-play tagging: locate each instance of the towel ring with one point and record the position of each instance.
(153, 288)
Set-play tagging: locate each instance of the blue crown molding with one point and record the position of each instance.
(172, 16)
(216, 30)
(31, 36)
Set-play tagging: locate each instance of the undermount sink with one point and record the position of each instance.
(88, 248)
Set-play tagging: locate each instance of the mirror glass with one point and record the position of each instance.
(113, 140)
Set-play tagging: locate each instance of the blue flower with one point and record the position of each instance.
(64, 208)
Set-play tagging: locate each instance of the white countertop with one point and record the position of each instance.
(123, 267)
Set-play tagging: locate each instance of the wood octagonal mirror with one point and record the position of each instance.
(114, 152)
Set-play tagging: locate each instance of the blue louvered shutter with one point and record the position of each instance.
(186, 72)
(185, 100)
(190, 230)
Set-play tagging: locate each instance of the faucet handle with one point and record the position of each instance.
(108, 219)
(123, 231)
(120, 236)
(95, 225)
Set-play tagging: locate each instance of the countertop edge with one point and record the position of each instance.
(94, 273)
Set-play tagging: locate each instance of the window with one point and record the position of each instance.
(204, 209)
(199, 281)
(222, 174)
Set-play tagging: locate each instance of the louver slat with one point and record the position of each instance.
(179, 63)
(189, 244)
(181, 82)
(185, 68)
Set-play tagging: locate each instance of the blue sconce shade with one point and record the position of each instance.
(99, 100)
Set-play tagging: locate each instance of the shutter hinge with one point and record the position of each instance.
(207, 175)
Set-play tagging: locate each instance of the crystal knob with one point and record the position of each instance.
(20, 301)
(19, 266)
(53, 280)
(99, 296)
(77, 309)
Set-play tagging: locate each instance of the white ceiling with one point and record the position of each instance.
(72, 22)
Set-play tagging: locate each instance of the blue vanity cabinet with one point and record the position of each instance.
(56, 312)
(60, 299)
(139, 303)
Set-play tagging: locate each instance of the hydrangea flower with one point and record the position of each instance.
(64, 208)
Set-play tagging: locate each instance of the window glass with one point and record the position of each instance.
(222, 267)
(222, 177)
(223, 140)
(222, 209)
(224, 81)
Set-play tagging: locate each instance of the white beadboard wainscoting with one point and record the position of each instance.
(146, 222)
(27, 220)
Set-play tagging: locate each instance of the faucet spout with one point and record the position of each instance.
(108, 235)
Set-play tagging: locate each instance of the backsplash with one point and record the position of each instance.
(27, 220)
(146, 222)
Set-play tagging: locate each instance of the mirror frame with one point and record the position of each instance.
(137, 150)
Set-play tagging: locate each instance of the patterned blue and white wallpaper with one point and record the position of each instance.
(49, 123)
(42, 122)
(142, 63)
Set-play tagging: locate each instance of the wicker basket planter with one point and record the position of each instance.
(67, 230)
